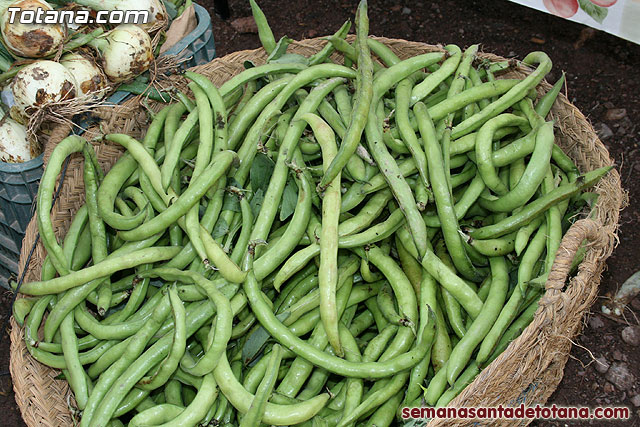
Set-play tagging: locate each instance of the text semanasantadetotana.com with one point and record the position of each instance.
(518, 412)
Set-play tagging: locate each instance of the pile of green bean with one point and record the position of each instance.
(311, 243)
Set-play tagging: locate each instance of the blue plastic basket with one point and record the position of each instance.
(18, 189)
(198, 45)
(19, 181)
(9, 251)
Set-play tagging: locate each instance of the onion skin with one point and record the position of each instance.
(125, 52)
(14, 143)
(38, 84)
(31, 40)
(88, 75)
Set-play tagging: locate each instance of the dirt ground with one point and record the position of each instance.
(602, 77)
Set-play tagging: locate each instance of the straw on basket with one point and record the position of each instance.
(528, 371)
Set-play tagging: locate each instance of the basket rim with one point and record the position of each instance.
(260, 53)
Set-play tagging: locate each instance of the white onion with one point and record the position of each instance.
(14, 143)
(38, 84)
(125, 52)
(31, 40)
(88, 75)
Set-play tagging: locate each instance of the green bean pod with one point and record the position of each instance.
(515, 94)
(448, 67)
(264, 31)
(328, 270)
(461, 353)
(69, 145)
(540, 205)
(546, 102)
(214, 171)
(160, 376)
(363, 98)
(103, 269)
(531, 178)
(403, 91)
(510, 310)
(484, 143)
(278, 252)
(442, 194)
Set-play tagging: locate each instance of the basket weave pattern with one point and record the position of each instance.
(528, 371)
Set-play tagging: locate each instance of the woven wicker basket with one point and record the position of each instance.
(528, 371)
